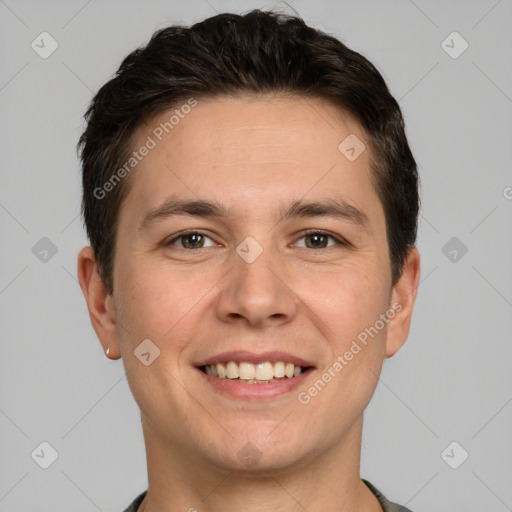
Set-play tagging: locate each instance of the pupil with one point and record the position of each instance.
(317, 240)
(192, 239)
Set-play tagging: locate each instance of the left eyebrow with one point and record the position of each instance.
(336, 208)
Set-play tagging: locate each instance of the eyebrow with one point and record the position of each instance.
(336, 208)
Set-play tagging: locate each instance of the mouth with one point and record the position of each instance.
(248, 376)
(264, 372)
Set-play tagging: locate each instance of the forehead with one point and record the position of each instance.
(257, 130)
(250, 151)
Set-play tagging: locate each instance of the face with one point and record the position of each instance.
(282, 258)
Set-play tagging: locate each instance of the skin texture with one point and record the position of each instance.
(254, 155)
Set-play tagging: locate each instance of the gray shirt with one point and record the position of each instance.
(386, 505)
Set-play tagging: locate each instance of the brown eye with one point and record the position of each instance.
(316, 240)
(319, 240)
(191, 240)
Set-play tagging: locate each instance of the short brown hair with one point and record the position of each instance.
(228, 54)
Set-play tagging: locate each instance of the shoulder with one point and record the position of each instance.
(387, 505)
(136, 502)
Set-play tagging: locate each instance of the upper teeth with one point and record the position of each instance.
(248, 371)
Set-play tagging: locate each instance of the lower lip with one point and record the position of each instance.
(240, 389)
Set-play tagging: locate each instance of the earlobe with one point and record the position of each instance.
(99, 303)
(403, 296)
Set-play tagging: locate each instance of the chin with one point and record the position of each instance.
(263, 451)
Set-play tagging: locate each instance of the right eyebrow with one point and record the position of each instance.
(170, 207)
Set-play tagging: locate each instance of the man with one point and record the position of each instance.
(251, 202)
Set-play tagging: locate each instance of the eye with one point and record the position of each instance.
(190, 240)
(319, 240)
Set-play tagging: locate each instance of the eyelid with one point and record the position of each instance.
(308, 232)
(177, 236)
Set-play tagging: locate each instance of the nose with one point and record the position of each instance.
(257, 293)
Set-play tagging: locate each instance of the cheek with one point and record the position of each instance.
(159, 304)
(346, 301)
(354, 348)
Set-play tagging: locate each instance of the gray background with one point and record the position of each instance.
(452, 381)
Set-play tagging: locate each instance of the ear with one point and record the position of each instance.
(404, 296)
(99, 303)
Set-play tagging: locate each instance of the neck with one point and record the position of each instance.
(330, 481)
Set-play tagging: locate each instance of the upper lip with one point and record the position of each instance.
(251, 357)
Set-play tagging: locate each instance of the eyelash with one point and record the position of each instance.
(310, 232)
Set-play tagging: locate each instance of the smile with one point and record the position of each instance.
(254, 373)
(263, 372)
